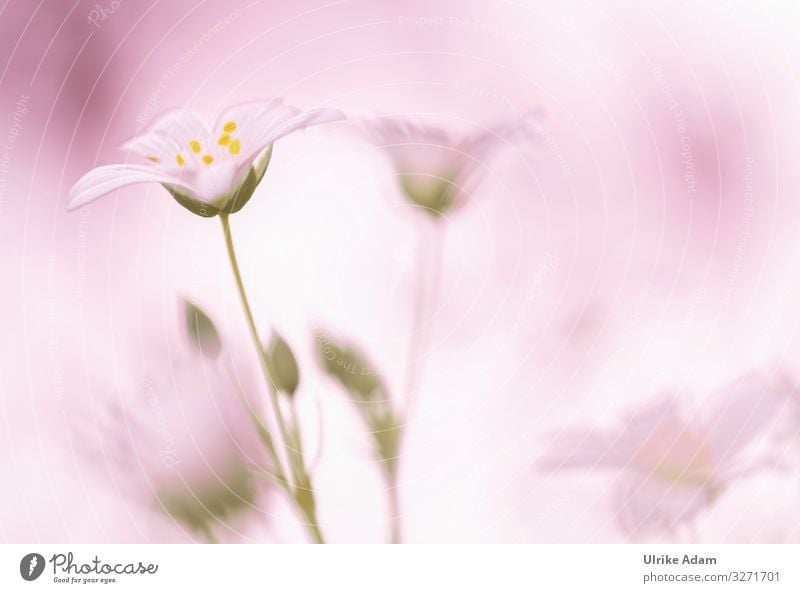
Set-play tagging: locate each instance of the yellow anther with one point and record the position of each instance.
(224, 139)
(179, 158)
(235, 147)
(153, 158)
(195, 146)
(230, 126)
(208, 159)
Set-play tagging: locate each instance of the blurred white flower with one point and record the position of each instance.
(673, 465)
(173, 434)
(207, 170)
(439, 169)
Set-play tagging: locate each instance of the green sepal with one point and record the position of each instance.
(434, 196)
(202, 333)
(246, 189)
(232, 203)
(193, 205)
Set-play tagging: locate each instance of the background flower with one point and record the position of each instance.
(672, 466)
(438, 169)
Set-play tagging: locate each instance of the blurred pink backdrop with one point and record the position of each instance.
(644, 242)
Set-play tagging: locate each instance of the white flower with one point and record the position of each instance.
(673, 465)
(207, 170)
(438, 169)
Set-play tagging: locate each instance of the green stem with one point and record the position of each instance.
(264, 436)
(209, 533)
(305, 500)
(316, 533)
(417, 330)
(414, 367)
(428, 278)
(303, 493)
(394, 508)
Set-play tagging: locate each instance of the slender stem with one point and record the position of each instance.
(209, 533)
(264, 435)
(414, 368)
(313, 528)
(316, 534)
(415, 343)
(396, 536)
(422, 299)
(303, 493)
(248, 313)
(413, 374)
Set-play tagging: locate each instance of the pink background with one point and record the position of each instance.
(591, 270)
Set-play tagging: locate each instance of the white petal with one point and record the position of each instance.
(480, 149)
(153, 144)
(304, 120)
(168, 135)
(662, 415)
(254, 132)
(620, 448)
(396, 130)
(644, 503)
(180, 124)
(211, 183)
(279, 127)
(416, 147)
(481, 145)
(243, 115)
(103, 180)
(590, 450)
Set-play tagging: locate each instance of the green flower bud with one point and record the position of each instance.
(282, 365)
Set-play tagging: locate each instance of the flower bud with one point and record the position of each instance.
(282, 365)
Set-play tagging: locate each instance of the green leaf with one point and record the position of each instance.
(282, 365)
(351, 368)
(202, 332)
(202, 507)
(386, 430)
(360, 378)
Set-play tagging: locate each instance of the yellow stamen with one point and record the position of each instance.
(234, 147)
(180, 159)
(230, 126)
(224, 139)
(195, 146)
(208, 159)
(153, 158)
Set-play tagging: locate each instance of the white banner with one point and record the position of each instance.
(389, 569)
